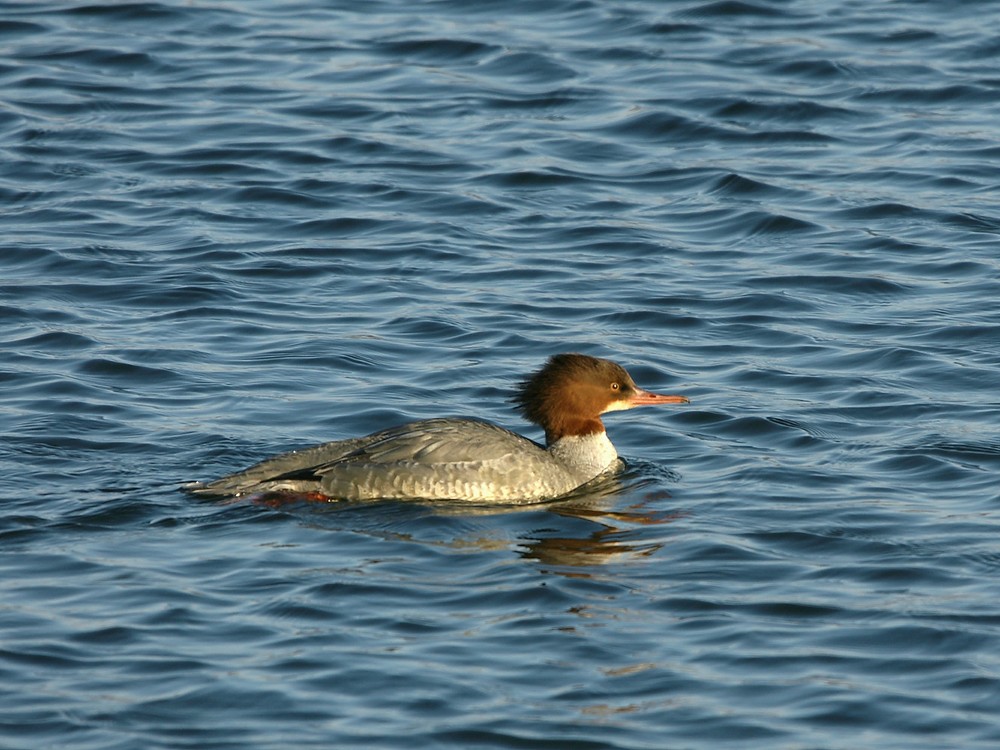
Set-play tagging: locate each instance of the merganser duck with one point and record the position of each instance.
(465, 459)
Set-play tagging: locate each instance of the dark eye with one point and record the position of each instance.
(615, 386)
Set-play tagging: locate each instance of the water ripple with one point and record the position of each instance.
(235, 231)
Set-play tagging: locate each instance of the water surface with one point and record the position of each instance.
(231, 229)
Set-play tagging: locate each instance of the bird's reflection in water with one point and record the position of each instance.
(609, 533)
(597, 528)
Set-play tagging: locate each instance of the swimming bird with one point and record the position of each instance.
(466, 459)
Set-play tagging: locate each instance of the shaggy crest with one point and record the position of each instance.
(569, 393)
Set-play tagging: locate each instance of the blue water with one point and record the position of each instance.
(228, 229)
